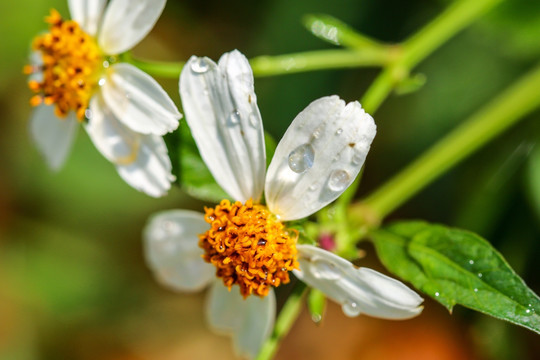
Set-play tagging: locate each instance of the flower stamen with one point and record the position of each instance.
(69, 67)
(249, 247)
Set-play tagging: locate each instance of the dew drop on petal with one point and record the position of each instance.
(88, 114)
(316, 134)
(350, 308)
(339, 180)
(359, 157)
(339, 131)
(325, 270)
(253, 120)
(106, 64)
(313, 187)
(234, 118)
(200, 66)
(101, 82)
(301, 158)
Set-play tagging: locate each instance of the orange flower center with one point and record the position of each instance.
(69, 68)
(248, 246)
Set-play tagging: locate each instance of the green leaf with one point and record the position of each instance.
(457, 267)
(316, 302)
(533, 180)
(195, 178)
(336, 32)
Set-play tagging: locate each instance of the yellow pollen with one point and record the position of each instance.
(70, 67)
(248, 246)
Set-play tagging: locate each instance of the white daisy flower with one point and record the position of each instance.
(246, 243)
(74, 75)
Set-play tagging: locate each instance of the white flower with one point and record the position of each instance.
(318, 158)
(75, 75)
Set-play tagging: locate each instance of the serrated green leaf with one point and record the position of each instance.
(457, 267)
(195, 178)
(336, 32)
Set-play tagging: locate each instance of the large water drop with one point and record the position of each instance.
(350, 308)
(301, 158)
(200, 66)
(339, 180)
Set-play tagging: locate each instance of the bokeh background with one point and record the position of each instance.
(73, 283)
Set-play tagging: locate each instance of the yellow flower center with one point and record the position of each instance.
(70, 62)
(249, 247)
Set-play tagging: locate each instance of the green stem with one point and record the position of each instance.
(492, 120)
(284, 322)
(284, 64)
(415, 49)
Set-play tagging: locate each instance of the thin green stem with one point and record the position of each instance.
(455, 18)
(489, 122)
(284, 64)
(284, 322)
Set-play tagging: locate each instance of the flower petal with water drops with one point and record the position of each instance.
(114, 140)
(52, 135)
(138, 100)
(172, 252)
(151, 170)
(249, 322)
(319, 156)
(126, 22)
(221, 110)
(358, 290)
(87, 13)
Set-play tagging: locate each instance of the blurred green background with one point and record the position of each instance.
(73, 281)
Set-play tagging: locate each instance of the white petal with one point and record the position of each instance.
(319, 156)
(358, 290)
(138, 100)
(249, 322)
(222, 113)
(87, 13)
(53, 136)
(172, 252)
(126, 22)
(151, 171)
(114, 140)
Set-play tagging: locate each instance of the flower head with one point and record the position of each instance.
(76, 77)
(246, 243)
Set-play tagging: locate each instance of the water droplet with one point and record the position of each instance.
(88, 114)
(475, 290)
(313, 187)
(200, 66)
(339, 180)
(234, 118)
(301, 158)
(337, 157)
(350, 308)
(480, 275)
(316, 318)
(261, 242)
(359, 157)
(106, 64)
(339, 131)
(325, 270)
(528, 311)
(471, 262)
(101, 82)
(254, 120)
(437, 293)
(316, 134)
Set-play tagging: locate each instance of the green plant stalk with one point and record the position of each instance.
(284, 322)
(456, 17)
(284, 64)
(490, 121)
